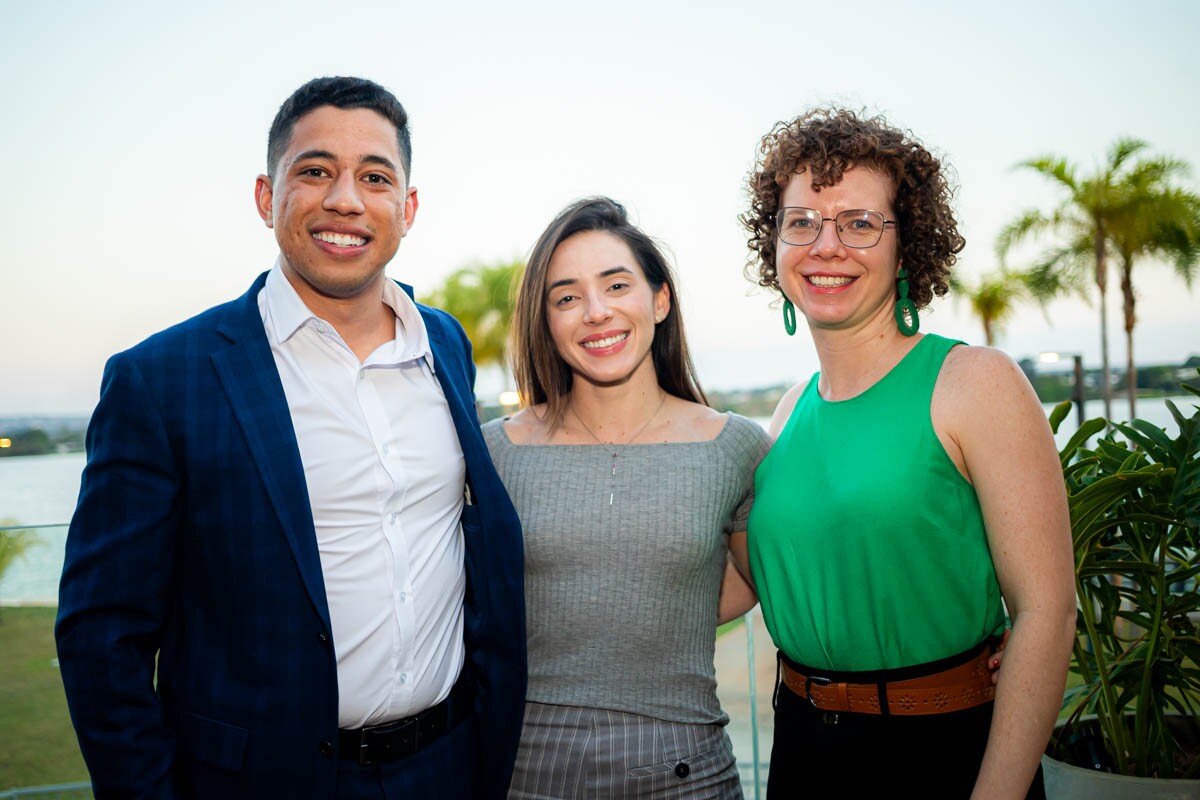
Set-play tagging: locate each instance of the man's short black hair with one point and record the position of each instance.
(339, 92)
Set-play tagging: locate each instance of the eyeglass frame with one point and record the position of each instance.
(836, 229)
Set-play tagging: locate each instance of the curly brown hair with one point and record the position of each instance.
(828, 141)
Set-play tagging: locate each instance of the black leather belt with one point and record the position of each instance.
(379, 744)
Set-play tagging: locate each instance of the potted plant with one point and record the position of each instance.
(1134, 499)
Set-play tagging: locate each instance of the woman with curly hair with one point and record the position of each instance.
(913, 494)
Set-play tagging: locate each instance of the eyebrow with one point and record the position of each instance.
(605, 274)
(328, 156)
(380, 160)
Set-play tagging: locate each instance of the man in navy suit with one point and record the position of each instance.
(293, 571)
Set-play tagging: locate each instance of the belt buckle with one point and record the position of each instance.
(364, 758)
(809, 680)
(408, 727)
(364, 748)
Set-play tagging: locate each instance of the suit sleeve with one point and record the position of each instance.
(468, 356)
(114, 597)
(495, 628)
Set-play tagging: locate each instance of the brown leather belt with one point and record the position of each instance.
(964, 686)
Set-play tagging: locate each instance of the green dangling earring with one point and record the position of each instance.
(906, 310)
(789, 317)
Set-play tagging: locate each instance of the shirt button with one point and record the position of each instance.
(326, 749)
(403, 596)
(394, 517)
(682, 770)
(403, 678)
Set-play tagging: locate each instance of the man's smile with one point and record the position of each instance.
(340, 239)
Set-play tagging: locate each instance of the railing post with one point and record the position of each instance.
(749, 619)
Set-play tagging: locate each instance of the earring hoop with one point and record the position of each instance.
(789, 317)
(905, 312)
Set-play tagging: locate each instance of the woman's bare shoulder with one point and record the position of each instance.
(981, 392)
(981, 373)
(784, 409)
(688, 421)
(527, 426)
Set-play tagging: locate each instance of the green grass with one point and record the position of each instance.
(733, 624)
(38, 743)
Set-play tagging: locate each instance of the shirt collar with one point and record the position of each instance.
(288, 314)
(412, 339)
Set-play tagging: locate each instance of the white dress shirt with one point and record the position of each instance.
(385, 475)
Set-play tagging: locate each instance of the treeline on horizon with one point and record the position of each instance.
(37, 442)
(1157, 380)
(1160, 380)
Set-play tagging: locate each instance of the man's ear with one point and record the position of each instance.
(262, 199)
(410, 208)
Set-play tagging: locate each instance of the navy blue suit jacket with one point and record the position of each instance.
(193, 542)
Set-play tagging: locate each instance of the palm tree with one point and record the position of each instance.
(1092, 206)
(13, 543)
(482, 297)
(993, 299)
(1158, 220)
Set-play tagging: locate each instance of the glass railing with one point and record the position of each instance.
(40, 751)
(80, 790)
(31, 688)
(745, 662)
(31, 558)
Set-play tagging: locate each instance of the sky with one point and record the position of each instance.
(133, 134)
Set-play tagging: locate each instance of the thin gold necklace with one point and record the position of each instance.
(612, 484)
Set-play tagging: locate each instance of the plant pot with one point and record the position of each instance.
(1065, 782)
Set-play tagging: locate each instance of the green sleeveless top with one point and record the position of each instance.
(866, 543)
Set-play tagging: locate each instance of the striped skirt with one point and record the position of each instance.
(567, 752)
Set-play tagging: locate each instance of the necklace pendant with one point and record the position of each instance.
(613, 446)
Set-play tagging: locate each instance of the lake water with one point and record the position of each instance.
(38, 490)
(42, 490)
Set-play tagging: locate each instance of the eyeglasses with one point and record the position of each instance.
(856, 227)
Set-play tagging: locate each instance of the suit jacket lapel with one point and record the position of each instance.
(248, 373)
(446, 359)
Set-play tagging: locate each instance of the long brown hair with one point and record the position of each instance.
(542, 375)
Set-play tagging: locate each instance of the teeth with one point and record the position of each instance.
(340, 239)
(608, 341)
(828, 281)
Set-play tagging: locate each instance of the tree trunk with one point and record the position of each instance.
(1130, 321)
(1102, 285)
(989, 337)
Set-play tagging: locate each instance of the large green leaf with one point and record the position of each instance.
(1134, 500)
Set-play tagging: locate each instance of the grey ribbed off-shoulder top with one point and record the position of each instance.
(621, 599)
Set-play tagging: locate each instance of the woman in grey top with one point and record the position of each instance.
(628, 486)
